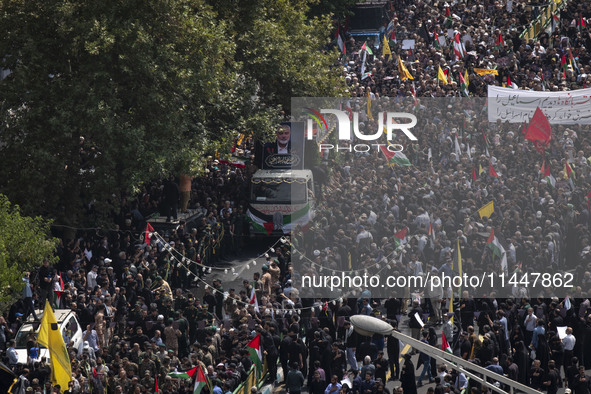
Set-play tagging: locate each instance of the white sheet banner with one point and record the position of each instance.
(518, 106)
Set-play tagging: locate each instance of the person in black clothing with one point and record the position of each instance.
(381, 365)
(171, 195)
(571, 372)
(512, 369)
(466, 310)
(317, 385)
(392, 308)
(407, 376)
(552, 379)
(581, 382)
(414, 325)
(140, 338)
(272, 353)
(521, 358)
(537, 376)
(393, 348)
(46, 274)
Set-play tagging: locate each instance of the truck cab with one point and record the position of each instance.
(68, 325)
(280, 200)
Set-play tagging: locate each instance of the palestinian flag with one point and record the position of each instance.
(563, 65)
(183, 374)
(444, 344)
(395, 158)
(573, 62)
(448, 18)
(200, 381)
(267, 223)
(256, 352)
(511, 84)
(494, 244)
(582, 24)
(500, 42)
(366, 48)
(436, 40)
(253, 299)
(491, 171)
(550, 180)
(463, 86)
(400, 237)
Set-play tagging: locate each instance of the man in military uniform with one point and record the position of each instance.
(147, 380)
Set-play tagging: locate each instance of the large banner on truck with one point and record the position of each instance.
(287, 150)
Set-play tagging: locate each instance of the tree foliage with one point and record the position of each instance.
(106, 95)
(24, 244)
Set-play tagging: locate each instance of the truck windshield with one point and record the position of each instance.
(278, 192)
(26, 334)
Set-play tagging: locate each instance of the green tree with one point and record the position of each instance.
(24, 244)
(280, 53)
(103, 95)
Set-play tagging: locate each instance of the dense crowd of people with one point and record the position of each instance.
(145, 313)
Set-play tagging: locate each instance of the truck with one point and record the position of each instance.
(280, 200)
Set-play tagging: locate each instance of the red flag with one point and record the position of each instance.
(491, 171)
(402, 233)
(582, 24)
(473, 173)
(508, 80)
(539, 131)
(542, 170)
(156, 384)
(563, 66)
(588, 197)
(149, 231)
(447, 12)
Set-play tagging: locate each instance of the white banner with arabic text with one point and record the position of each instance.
(518, 106)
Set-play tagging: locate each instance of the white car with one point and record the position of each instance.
(67, 323)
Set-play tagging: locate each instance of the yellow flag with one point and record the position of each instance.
(441, 76)
(466, 78)
(480, 170)
(386, 48)
(485, 71)
(451, 305)
(369, 116)
(240, 139)
(404, 74)
(486, 210)
(51, 337)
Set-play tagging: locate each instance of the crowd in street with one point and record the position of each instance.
(145, 315)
